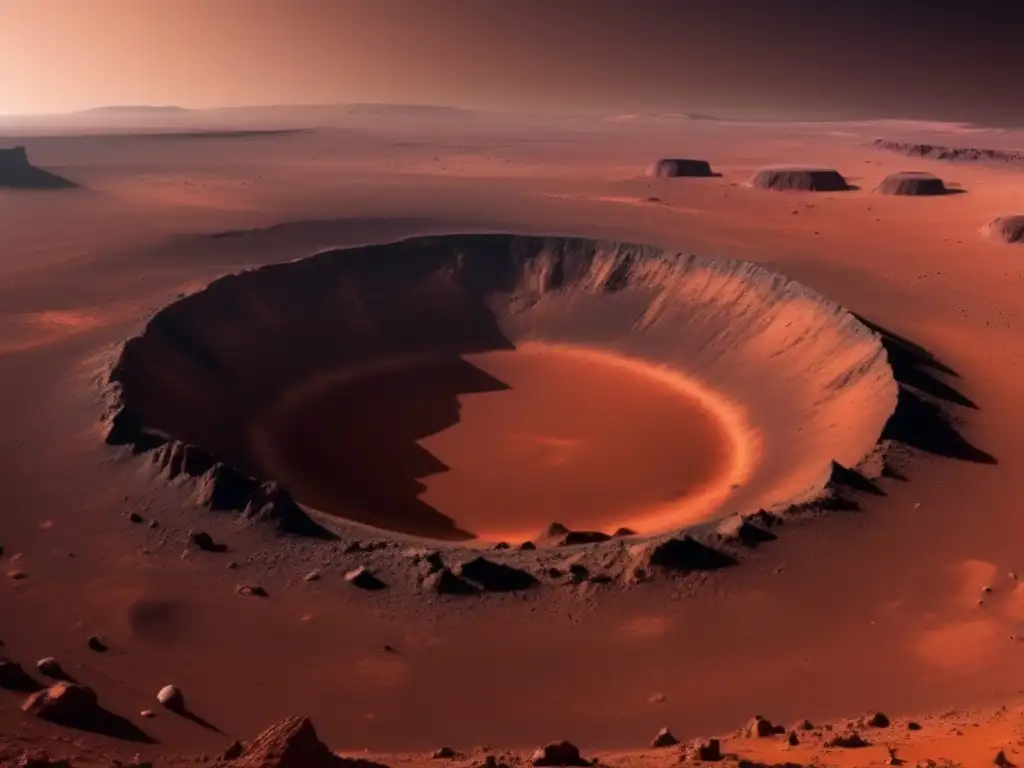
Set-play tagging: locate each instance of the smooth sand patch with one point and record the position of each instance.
(541, 433)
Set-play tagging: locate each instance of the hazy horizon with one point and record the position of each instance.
(788, 58)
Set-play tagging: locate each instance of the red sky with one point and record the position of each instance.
(896, 58)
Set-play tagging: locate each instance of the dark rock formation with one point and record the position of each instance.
(444, 582)
(14, 678)
(911, 183)
(364, 578)
(674, 555)
(742, 530)
(760, 727)
(251, 590)
(293, 743)
(704, 750)
(65, 703)
(799, 179)
(558, 753)
(1006, 229)
(664, 738)
(672, 167)
(955, 154)
(851, 740)
(16, 172)
(204, 541)
(494, 577)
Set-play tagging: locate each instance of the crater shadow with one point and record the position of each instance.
(920, 421)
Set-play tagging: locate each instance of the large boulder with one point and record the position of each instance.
(1006, 229)
(65, 703)
(911, 183)
(293, 743)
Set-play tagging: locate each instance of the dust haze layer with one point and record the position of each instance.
(794, 381)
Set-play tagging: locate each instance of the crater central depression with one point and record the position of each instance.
(484, 386)
(498, 444)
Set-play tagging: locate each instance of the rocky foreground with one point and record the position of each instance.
(943, 741)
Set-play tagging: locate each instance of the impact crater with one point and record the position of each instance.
(477, 387)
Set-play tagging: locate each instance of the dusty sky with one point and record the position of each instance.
(828, 58)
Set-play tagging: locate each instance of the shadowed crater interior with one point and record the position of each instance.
(481, 386)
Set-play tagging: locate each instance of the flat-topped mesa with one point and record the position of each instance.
(1006, 229)
(912, 183)
(792, 178)
(675, 167)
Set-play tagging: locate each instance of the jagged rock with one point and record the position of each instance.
(792, 739)
(65, 703)
(527, 546)
(363, 578)
(499, 546)
(445, 753)
(223, 488)
(1002, 760)
(494, 577)
(704, 750)
(293, 743)
(204, 541)
(877, 720)
(50, 667)
(272, 504)
(176, 459)
(558, 753)
(850, 740)
(251, 590)
(664, 738)
(171, 697)
(674, 555)
(740, 529)
(557, 535)
(760, 727)
(444, 582)
(429, 560)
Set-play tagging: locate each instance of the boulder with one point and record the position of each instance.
(293, 743)
(911, 183)
(799, 179)
(558, 753)
(664, 738)
(760, 727)
(675, 167)
(704, 750)
(363, 578)
(171, 697)
(64, 703)
(494, 577)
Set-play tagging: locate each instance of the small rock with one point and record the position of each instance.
(171, 697)
(149, 714)
(986, 589)
(759, 728)
(16, 575)
(792, 739)
(312, 576)
(234, 750)
(154, 524)
(558, 753)
(704, 750)
(445, 753)
(877, 720)
(232, 566)
(251, 590)
(134, 517)
(498, 546)
(664, 739)
(1002, 760)
(363, 578)
(804, 725)
(50, 667)
(656, 698)
(912, 726)
(95, 643)
(892, 758)
(204, 541)
(527, 546)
